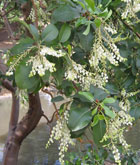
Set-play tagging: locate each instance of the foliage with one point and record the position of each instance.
(89, 50)
(91, 155)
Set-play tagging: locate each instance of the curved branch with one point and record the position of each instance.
(22, 129)
(6, 84)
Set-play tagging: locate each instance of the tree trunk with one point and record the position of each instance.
(21, 130)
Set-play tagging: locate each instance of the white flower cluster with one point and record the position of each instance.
(125, 103)
(50, 51)
(32, 15)
(110, 28)
(18, 60)
(62, 133)
(117, 126)
(123, 142)
(115, 131)
(131, 8)
(100, 53)
(116, 154)
(40, 65)
(136, 6)
(79, 74)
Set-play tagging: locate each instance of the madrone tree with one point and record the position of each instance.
(89, 50)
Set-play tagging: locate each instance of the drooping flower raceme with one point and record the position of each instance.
(40, 63)
(117, 126)
(61, 132)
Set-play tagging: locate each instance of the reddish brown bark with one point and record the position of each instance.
(18, 133)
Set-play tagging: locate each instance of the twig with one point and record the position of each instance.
(49, 121)
(77, 90)
(46, 91)
(7, 12)
(128, 26)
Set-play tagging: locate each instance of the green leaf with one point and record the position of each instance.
(101, 117)
(112, 88)
(86, 32)
(49, 33)
(98, 132)
(108, 112)
(86, 41)
(45, 78)
(108, 15)
(95, 121)
(79, 118)
(91, 4)
(22, 78)
(65, 33)
(80, 21)
(94, 111)
(57, 99)
(58, 75)
(98, 93)
(109, 100)
(104, 13)
(22, 46)
(138, 62)
(135, 112)
(65, 13)
(34, 32)
(97, 22)
(85, 96)
(80, 3)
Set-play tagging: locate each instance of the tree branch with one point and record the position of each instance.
(127, 25)
(46, 91)
(6, 84)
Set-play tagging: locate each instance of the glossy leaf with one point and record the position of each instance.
(22, 78)
(34, 32)
(65, 33)
(86, 32)
(57, 99)
(94, 111)
(91, 4)
(87, 95)
(95, 121)
(22, 46)
(79, 118)
(65, 13)
(109, 100)
(98, 132)
(98, 93)
(49, 33)
(109, 112)
(97, 22)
